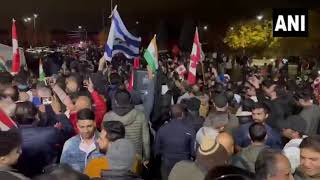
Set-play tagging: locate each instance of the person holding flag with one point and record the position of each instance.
(194, 60)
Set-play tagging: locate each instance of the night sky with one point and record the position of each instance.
(68, 14)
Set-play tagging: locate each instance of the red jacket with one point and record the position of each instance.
(100, 110)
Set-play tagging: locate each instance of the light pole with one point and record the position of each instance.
(27, 20)
(81, 29)
(35, 16)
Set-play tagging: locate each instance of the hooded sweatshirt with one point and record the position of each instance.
(136, 125)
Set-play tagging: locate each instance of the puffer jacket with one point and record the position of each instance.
(137, 129)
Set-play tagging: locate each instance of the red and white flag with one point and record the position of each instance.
(194, 60)
(181, 70)
(6, 122)
(15, 50)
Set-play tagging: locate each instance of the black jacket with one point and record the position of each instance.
(118, 175)
(40, 148)
(7, 173)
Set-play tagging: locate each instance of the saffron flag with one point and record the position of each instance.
(194, 60)
(151, 54)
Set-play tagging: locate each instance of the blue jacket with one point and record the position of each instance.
(242, 137)
(175, 141)
(76, 158)
(40, 147)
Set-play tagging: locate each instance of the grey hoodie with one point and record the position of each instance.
(121, 155)
(137, 129)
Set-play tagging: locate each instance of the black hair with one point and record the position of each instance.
(261, 105)
(265, 164)
(25, 113)
(9, 140)
(268, 83)
(85, 114)
(177, 111)
(122, 97)
(229, 173)
(15, 95)
(257, 132)
(64, 172)
(5, 78)
(311, 142)
(115, 79)
(247, 105)
(304, 94)
(115, 130)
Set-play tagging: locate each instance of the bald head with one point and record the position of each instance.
(83, 102)
(72, 86)
(226, 140)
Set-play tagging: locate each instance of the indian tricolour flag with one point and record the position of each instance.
(42, 75)
(151, 54)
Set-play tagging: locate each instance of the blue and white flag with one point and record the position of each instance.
(120, 40)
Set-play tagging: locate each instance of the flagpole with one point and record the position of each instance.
(203, 76)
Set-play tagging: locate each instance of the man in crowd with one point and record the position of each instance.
(120, 152)
(293, 128)
(259, 115)
(10, 151)
(309, 159)
(281, 104)
(210, 154)
(271, 164)
(192, 107)
(40, 144)
(221, 108)
(137, 128)
(310, 112)
(248, 156)
(81, 148)
(174, 141)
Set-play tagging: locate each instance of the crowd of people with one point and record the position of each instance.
(87, 121)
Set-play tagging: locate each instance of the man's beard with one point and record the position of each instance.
(102, 151)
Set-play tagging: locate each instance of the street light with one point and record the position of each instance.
(231, 28)
(260, 17)
(79, 27)
(205, 28)
(29, 18)
(35, 15)
(137, 22)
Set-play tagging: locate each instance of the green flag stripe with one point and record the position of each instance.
(151, 61)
